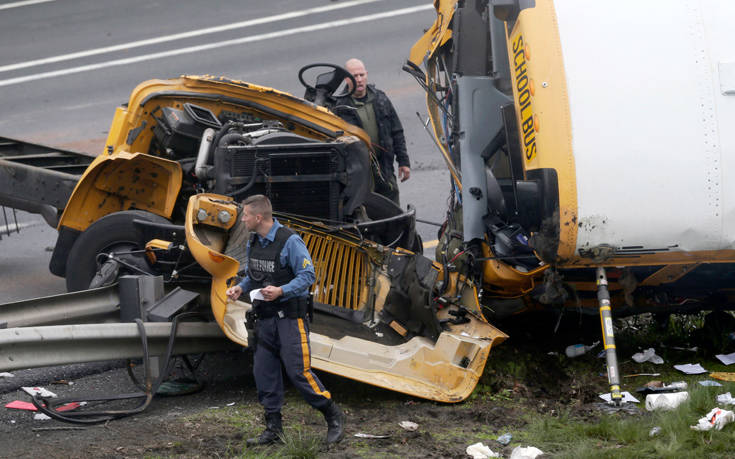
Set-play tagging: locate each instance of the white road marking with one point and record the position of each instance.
(6, 6)
(220, 44)
(181, 36)
(10, 229)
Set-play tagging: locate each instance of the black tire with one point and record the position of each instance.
(116, 229)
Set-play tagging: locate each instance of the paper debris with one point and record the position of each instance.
(231, 404)
(654, 431)
(665, 401)
(408, 425)
(7, 375)
(40, 417)
(20, 405)
(649, 355)
(690, 368)
(527, 452)
(480, 451)
(364, 435)
(641, 374)
(717, 418)
(38, 391)
(710, 383)
(627, 397)
(726, 399)
(727, 359)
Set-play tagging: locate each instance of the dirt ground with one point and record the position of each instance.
(521, 378)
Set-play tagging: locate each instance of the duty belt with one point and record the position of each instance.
(293, 308)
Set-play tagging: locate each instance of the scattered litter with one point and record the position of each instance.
(20, 405)
(691, 368)
(231, 404)
(717, 418)
(12, 421)
(665, 401)
(552, 353)
(525, 452)
(505, 439)
(678, 348)
(7, 375)
(654, 431)
(649, 355)
(44, 429)
(480, 451)
(627, 397)
(364, 435)
(723, 376)
(710, 383)
(726, 399)
(63, 382)
(727, 359)
(658, 387)
(38, 391)
(408, 425)
(40, 417)
(641, 374)
(575, 350)
(213, 407)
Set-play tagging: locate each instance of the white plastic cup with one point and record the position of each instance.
(665, 401)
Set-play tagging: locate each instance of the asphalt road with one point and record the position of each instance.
(65, 65)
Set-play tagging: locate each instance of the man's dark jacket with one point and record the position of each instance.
(392, 144)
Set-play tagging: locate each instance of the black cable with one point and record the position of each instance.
(149, 388)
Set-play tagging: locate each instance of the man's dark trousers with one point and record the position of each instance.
(287, 340)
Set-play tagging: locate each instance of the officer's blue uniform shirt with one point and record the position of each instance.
(294, 250)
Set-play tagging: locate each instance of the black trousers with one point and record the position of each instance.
(285, 340)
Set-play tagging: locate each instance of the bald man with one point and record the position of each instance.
(373, 111)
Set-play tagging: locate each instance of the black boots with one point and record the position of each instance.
(335, 422)
(274, 427)
(272, 433)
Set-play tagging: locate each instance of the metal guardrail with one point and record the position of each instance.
(64, 329)
(88, 306)
(32, 347)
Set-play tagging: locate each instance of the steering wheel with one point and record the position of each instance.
(326, 83)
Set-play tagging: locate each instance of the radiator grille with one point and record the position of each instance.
(341, 270)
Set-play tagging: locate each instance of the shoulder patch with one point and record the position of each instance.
(305, 263)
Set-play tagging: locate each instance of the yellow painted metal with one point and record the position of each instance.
(438, 34)
(222, 270)
(534, 52)
(341, 269)
(219, 94)
(211, 210)
(424, 52)
(111, 183)
(668, 274)
(446, 370)
(123, 181)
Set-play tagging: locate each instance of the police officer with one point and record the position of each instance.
(280, 266)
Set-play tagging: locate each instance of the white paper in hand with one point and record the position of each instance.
(255, 294)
